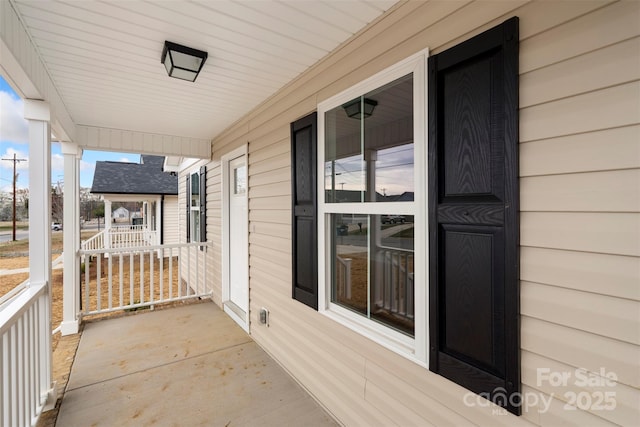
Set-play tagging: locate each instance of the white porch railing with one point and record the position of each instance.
(93, 243)
(25, 355)
(130, 236)
(394, 292)
(130, 278)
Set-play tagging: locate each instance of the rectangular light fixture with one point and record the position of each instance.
(182, 62)
(360, 108)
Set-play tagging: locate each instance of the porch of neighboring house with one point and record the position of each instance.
(185, 365)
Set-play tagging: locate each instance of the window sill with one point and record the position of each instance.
(394, 341)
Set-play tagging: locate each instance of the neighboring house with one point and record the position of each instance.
(120, 213)
(523, 271)
(144, 182)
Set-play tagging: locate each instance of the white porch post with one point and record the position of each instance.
(107, 223)
(158, 220)
(38, 115)
(71, 278)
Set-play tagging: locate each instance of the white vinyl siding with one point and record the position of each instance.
(580, 221)
(170, 220)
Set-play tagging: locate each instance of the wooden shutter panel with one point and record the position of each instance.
(473, 214)
(304, 234)
(188, 221)
(203, 204)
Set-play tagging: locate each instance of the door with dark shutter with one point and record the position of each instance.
(473, 214)
(304, 210)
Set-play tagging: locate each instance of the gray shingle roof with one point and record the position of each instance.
(146, 177)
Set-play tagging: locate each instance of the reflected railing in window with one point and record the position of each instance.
(373, 268)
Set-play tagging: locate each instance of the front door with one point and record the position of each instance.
(236, 238)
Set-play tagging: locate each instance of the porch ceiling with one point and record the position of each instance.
(104, 57)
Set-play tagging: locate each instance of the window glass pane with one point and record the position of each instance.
(240, 180)
(350, 261)
(373, 267)
(369, 146)
(195, 190)
(195, 226)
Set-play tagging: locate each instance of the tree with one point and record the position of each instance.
(98, 211)
(57, 204)
(6, 212)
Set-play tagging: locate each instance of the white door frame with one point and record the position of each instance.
(243, 321)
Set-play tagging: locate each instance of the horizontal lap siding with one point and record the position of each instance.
(580, 172)
(580, 202)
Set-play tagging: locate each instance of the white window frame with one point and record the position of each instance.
(416, 348)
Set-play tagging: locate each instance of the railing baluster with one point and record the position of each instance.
(120, 281)
(98, 282)
(162, 276)
(151, 277)
(87, 278)
(170, 273)
(180, 269)
(197, 249)
(110, 280)
(141, 257)
(20, 365)
(131, 291)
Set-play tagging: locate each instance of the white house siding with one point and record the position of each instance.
(170, 225)
(580, 221)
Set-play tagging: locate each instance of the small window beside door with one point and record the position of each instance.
(196, 206)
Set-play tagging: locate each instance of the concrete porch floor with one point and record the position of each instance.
(184, 366)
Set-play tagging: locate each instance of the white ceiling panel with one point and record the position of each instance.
(104, 56)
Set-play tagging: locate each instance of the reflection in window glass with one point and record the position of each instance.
(369, 146)
(240, 180)
(373, 267)
(195, 190)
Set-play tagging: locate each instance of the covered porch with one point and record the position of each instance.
(185, 365)
(139, 109)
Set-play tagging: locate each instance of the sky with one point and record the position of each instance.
(14, 139)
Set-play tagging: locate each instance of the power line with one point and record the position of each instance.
(15, 178)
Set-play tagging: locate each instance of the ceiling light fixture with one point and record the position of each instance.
(182, 62)
(359, 108)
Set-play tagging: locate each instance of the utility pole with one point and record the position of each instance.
(15, 178)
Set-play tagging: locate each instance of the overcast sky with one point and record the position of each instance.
(14, 139)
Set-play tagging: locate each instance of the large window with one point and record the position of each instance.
(372, 213)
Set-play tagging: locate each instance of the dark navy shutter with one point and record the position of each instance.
(473, 214)
(203, 204)
(304, 234)
(188, 221)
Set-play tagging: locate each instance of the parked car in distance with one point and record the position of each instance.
(56, 226)
(393, 219)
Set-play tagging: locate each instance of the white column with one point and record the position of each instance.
(107, 214)
(71, 277)
(38, 115)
